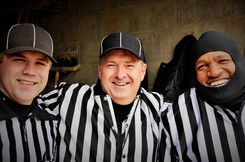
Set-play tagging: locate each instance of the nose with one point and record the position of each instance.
(214, 71)
(120, 73)
(29, 69)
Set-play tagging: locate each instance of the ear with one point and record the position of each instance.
(99, 70)
(143, 71)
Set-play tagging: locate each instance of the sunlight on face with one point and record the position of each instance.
(121, 73)
(214, 69)
(24, 75)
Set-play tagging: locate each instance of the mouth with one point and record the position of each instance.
(27, 82)
(120, 83)
(218, 83)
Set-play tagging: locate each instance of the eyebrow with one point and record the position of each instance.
(16, 54)
(41, 58)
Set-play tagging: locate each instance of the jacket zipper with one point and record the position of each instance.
(241, 144)
(26, 148)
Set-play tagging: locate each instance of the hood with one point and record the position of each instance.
(233, 92)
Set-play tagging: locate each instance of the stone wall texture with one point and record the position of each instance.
(160, 24)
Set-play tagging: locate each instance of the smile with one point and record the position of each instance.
(219, 83)
(27, 82)
(120, 83)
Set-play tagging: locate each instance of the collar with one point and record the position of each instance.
(10, 109)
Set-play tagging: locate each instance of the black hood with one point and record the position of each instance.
(233, 92)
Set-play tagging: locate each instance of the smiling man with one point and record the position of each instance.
(115, 119)
(121, 73)
(214, 69)
(207, 123)
(27, 132)
(24, 75)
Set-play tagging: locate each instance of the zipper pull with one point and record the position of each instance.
(25, 132)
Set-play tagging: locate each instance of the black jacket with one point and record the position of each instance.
(176, 77)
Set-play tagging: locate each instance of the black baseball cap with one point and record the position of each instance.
(124, 41)
(26, 37)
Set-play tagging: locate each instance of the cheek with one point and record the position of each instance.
(44, 74)
(9, 72)
(104, 75)
(101, 72)
(200, 77)
(232, 69)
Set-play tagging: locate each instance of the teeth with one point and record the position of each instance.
(27, 82)
(219, 83)
(120, 84)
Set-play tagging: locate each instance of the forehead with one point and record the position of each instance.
(214, 55)
(31, 54)
(119, 53)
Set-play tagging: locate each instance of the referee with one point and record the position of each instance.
(115, 119)
(28, 133)
(207, 123)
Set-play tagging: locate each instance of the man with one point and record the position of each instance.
(27, 132)
(114, 120)
(207, 123)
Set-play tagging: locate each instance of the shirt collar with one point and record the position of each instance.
(9, 109)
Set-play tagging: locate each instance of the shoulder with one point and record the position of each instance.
(63, 90)
(66, 85)
(187, 94)
(152, 98)
(42, 112)
(67, 88)
(150, 93)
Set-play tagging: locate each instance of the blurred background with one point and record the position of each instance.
(77, 27)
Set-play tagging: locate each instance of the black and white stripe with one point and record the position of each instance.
(88, 126)
(200, 132)
(27, 140)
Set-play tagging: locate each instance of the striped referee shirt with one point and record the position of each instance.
(201, 132)
(88, 126)
(26, 137)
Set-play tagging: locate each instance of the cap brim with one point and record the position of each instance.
(20, 49)
(122, 48)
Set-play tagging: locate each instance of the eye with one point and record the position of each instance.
(110, 65)
(19, 59)
(41, 63)
(223, 61)
(130, 66)
(201, 67)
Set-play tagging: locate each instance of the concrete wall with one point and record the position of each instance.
(160, 24)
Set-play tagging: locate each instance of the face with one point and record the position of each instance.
(214, 69)
(24, 75)
(121, 73)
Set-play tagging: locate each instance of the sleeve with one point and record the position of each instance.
(166, 147)
(62, 96)
(51, 99)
